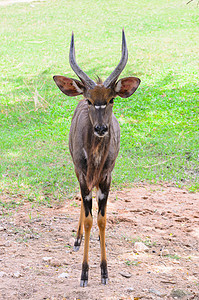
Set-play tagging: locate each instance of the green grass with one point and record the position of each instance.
(159, 123)
(175, 256)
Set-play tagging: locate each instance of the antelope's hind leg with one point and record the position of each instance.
(79, 236)
(102, 196)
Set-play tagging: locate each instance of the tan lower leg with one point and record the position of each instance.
(88, 222)
(102, 226)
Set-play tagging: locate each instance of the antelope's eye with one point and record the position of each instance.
(111, 101)
(89, 103)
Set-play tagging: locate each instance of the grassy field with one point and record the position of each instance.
(159, 123)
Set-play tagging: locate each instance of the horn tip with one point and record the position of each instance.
(123, 34)
(72, 40)
(123, 39)
(72, 36)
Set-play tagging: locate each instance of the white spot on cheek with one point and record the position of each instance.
(77, 88)
(118, 86)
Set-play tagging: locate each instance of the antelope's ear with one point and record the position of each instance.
(70, 87)
(125, 87)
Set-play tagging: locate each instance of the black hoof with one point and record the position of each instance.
(77, 244)
(84, 275)
(104, 281)
(83, 283)
(104, 272)
(76, 248)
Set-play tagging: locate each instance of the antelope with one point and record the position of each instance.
(94, 142)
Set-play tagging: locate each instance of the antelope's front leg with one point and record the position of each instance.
(102, 196)
(88, 222)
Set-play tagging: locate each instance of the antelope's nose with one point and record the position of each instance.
(101, 129)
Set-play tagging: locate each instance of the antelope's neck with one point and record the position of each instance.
(97, 153)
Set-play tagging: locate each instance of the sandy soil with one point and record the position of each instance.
(37, 259)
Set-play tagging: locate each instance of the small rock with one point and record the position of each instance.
(55, 263)
(157, 293)
(140, 296)
(16, 274)
(2, 274)
(126, 275)
(165, 252)
(63, 275)
(7, 244)
(140, 247)
(167, 279)
(130, 289)
(25, 267)
(178, 294)
(46, 259)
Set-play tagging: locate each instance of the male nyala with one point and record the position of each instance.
(94, 142)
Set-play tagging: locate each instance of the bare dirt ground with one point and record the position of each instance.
(37, 259)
